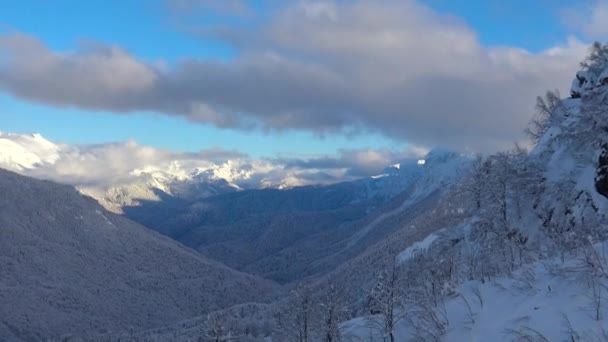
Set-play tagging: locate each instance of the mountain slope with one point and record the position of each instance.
(67, 266)
(524, 257)
(287, 235)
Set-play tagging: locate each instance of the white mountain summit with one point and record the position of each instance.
(122, 174)
(125, 174)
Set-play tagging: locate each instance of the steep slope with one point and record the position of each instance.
(67, 266)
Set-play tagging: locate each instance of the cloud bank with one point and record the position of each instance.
(339, 67)
(106, 165)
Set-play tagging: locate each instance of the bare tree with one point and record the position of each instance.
(544, 116)
(216, 329)
(388, 300)
(500, 173)
(294, 321)
(475, 182)
(334, 310)
(594, 272)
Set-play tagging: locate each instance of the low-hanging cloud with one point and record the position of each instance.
(393, 67)
(109, 164)
(355, 163)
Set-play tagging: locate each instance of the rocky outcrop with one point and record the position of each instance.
(601, 179)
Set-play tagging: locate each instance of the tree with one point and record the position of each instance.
(388, 299)
(425, 296)
(476, 181)
(334, 310)
(294, 321)
(594, 73)
(500, 172)
(545, 113)
(597, 61)
(595, 274)
(216, 329)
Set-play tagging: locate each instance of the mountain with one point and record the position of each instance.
(159, 186)
(319, 227)
(116, 181)
(506, 246)
(26, 151)
(68, 267)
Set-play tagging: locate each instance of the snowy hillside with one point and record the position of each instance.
(514, 252)
(543, 301)
(68, 267)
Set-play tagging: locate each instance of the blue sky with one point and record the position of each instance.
(153, 32)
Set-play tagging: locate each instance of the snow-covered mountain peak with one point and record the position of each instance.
(125, 174)
(440, 168)
(441, 155)
(231, 172)
(26, 151)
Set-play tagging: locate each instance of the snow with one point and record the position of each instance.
(587, 80)
(26, 151)
(119, 174)
(447, 245)
(545, 298)
(442, 167)
(536, 300)
(70, 267)
(417, 247)
(125, 174)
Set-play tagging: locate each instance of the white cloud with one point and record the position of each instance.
(105, 165)
(92, 77)
(394, 67)
(589, 18)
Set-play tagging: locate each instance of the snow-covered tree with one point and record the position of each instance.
(295, 320)
(388, 300)
(597, 60)
(498, 186)
(474, 183)
(216, 329)
(333, 309)
(544, 116)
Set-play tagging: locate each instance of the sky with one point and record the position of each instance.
(278, 79)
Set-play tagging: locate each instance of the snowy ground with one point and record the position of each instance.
(535, 304)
